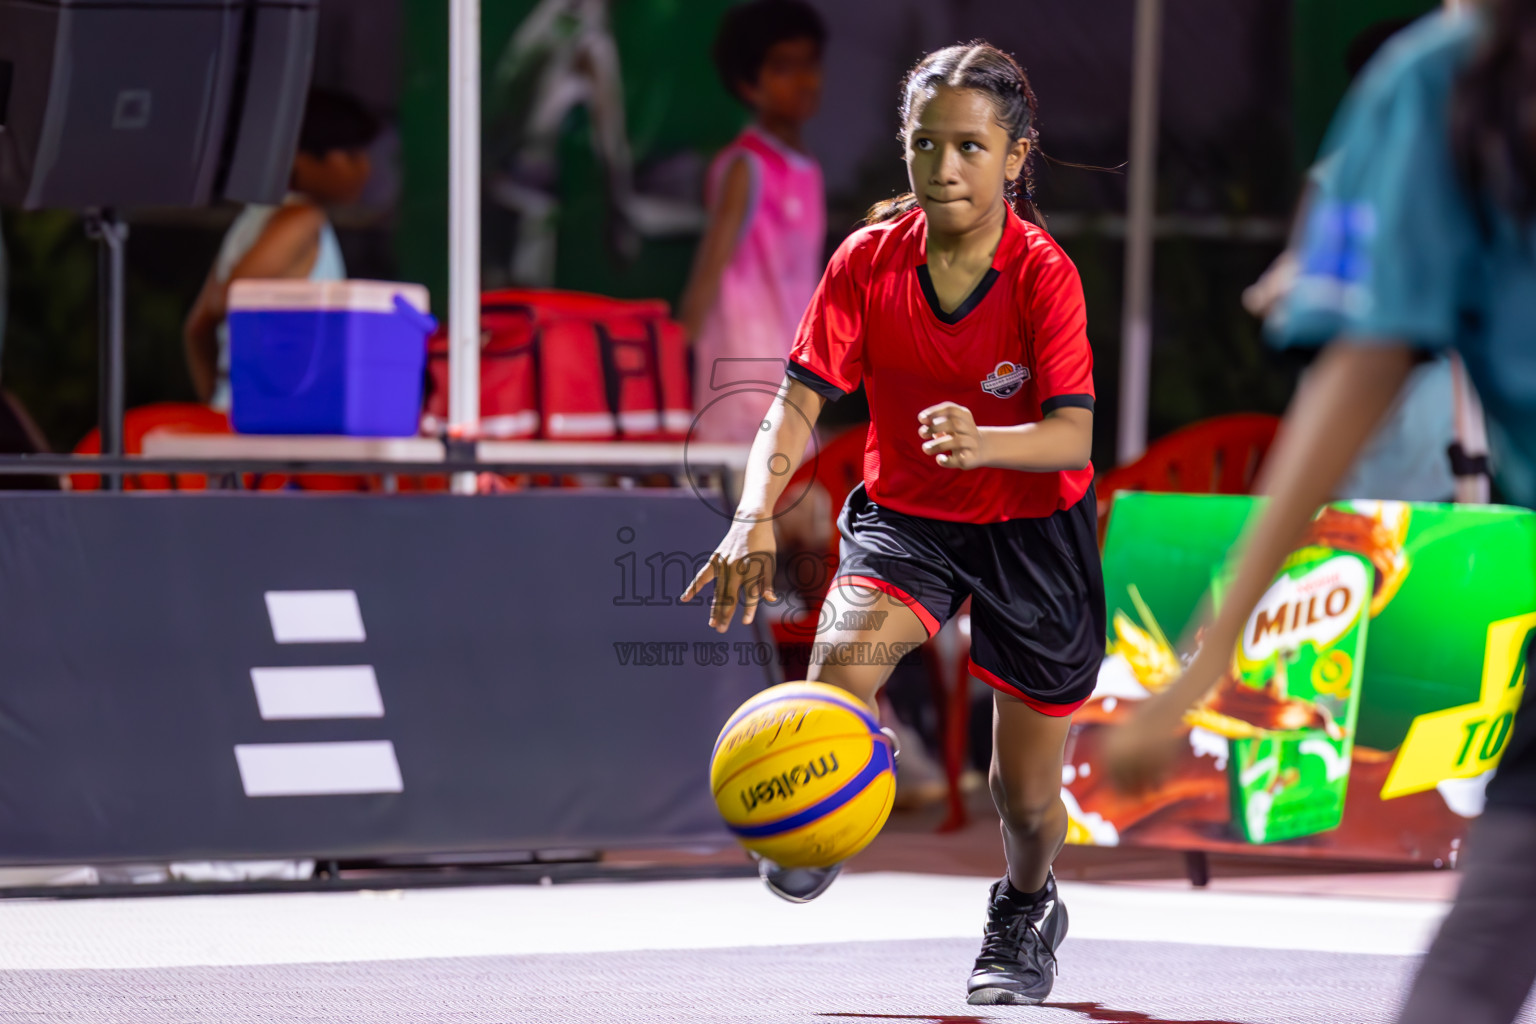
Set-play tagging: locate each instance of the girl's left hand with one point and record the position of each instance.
(951, 434)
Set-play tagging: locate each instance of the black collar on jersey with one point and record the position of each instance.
(971, 301)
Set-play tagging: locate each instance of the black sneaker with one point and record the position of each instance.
(1018, 950)
(797, 885)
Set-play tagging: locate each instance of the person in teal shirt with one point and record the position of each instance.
(1420, 239)
(1407, 458)
(1398, 248)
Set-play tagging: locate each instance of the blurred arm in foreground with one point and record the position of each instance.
(1387, 261)
(1350, 390)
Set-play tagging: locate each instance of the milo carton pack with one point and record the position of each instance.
(1290, 701)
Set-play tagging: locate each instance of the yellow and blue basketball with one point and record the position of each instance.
(803, 775)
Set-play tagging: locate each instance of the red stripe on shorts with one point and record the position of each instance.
(997, 682)
(930, 623)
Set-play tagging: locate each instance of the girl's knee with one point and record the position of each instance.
(1024, 813)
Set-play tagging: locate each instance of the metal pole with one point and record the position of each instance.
(1136, 323)
(464, 227)
(111, 236)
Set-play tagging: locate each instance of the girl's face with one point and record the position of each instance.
(959, 159)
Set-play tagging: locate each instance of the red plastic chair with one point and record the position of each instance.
(188, 417)
(1220, 455)
(837, 468)
(193, 418)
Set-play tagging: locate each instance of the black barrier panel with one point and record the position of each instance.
(456, 676)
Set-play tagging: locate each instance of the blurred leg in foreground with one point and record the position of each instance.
(1482, 963)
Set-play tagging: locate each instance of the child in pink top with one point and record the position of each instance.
(761, 256)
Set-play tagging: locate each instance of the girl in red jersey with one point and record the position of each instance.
(965, 323)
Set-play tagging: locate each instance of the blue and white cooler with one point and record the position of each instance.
(327, 357)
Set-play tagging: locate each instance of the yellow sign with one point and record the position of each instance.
(1466, 741)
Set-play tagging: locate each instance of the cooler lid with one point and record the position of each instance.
(330, 296)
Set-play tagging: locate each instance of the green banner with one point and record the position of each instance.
(1367, 703)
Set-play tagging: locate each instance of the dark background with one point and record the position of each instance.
(1247, 89)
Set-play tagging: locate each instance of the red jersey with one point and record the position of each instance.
(1014, 350)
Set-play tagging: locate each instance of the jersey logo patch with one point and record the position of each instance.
(1006, 380)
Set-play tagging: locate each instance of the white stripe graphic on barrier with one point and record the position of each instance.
(320, 691)
(317, 692)
(315, 616)
(318, 769)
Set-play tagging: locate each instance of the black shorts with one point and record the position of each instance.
(1036, 590)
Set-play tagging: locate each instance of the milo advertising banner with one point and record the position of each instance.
(1366, 704)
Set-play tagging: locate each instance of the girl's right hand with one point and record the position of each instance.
(742, 568)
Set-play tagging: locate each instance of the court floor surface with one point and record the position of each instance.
(882, 946)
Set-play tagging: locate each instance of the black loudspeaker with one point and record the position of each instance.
(278, 48)
(117, 103)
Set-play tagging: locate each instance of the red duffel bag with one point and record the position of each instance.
(571, 366)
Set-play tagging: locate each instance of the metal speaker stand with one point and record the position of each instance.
(111, 237)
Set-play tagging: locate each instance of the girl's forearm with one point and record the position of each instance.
(778, 451)
(1061, 441)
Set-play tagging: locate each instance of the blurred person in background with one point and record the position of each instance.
(294, 240)
(1421, 239)
(761, 254)
(1408, 457)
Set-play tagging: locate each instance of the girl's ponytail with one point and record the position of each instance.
(890, 209)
